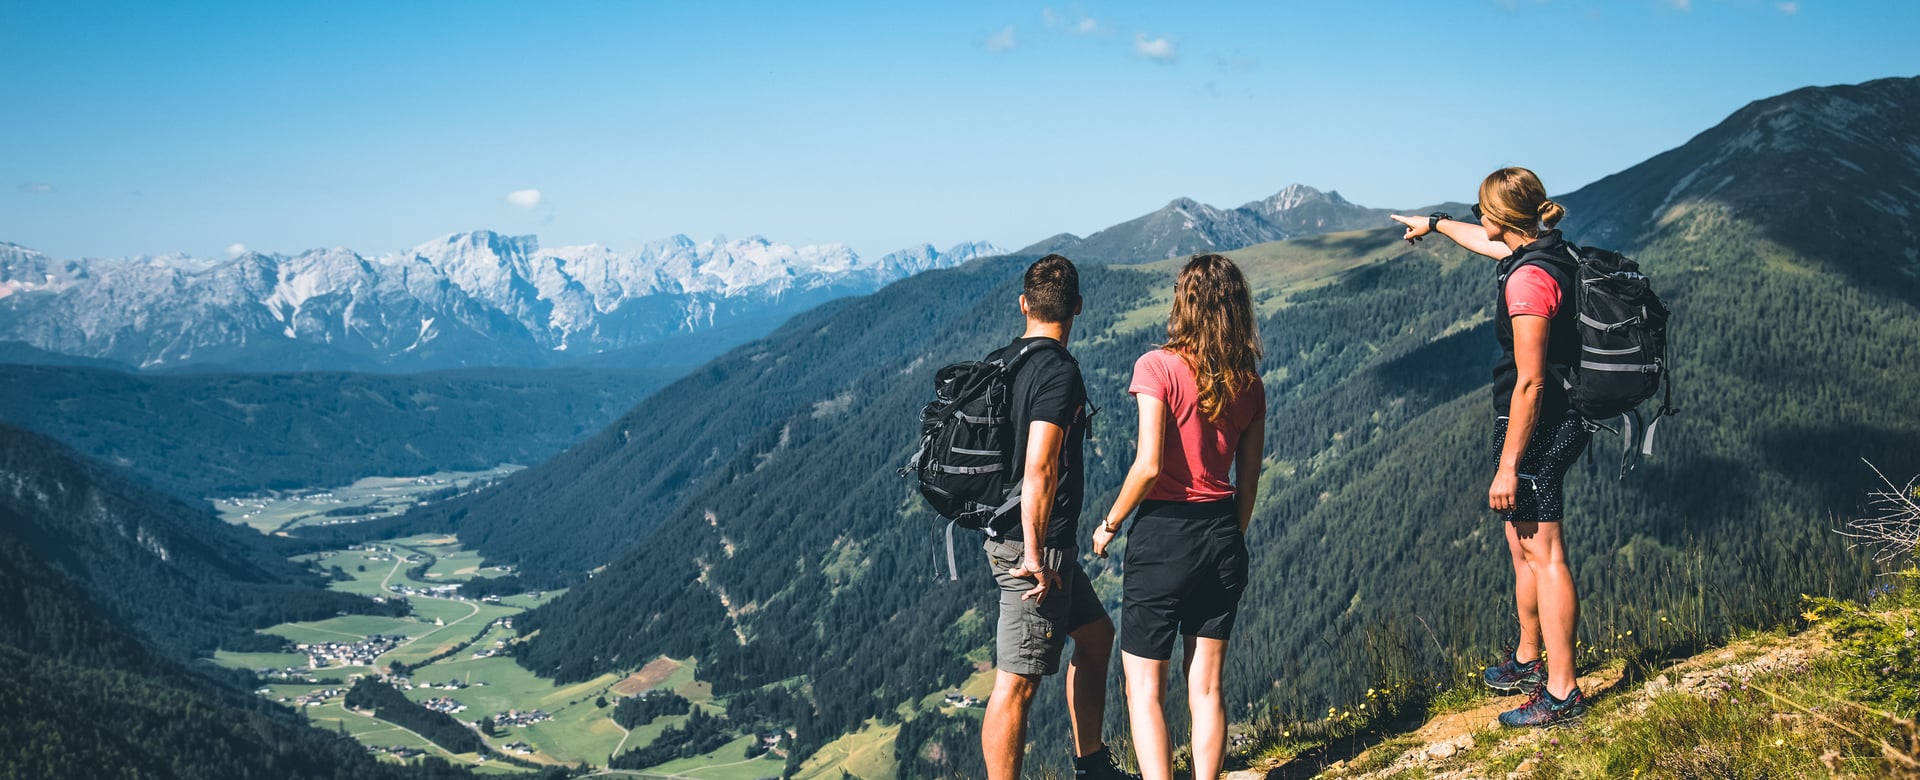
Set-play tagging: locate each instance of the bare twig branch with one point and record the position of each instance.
(1893, 530)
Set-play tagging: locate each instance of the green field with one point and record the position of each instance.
(253, 661)
(729, 762)
(579, 730)
(379, 496)
(866, 754)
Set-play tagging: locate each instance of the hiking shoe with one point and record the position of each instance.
(1512, 676)
(1099, 765)
(1545, 710)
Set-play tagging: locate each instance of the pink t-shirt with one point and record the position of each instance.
(1531, 290)
(1198, 456)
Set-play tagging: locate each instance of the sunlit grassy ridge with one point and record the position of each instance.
(1280, 269)
(1831, 694)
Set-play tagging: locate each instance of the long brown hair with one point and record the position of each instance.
(1514, 197)
(1212, 329)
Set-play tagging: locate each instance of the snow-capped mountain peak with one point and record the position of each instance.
(469, 298)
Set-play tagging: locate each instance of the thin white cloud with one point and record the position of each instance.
(1788, 8)
(1156, 49)
(236, 249)
(1001, 41)
(36, 188)
(1073, 22)
(525, 199)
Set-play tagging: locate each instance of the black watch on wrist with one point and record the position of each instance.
(1433, 220)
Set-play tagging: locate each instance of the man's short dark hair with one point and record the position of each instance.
(1052, 289)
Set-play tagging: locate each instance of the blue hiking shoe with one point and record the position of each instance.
(1515, 677)
(1543, 710)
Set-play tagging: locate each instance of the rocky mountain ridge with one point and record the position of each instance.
(1185, 226)
(477, 298)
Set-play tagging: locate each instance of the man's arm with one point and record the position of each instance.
(1037, 489)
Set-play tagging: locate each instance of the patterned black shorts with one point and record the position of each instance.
(1551, 450)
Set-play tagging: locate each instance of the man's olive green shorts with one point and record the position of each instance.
(1030, 635)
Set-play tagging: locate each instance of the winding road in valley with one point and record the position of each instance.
(384, 584)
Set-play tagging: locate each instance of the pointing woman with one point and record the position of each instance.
(1537, 435)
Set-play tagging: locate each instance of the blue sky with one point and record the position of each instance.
(160, 127)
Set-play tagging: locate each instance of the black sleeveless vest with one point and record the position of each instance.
(1563, 337)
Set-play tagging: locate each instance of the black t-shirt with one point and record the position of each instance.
(1048, 388)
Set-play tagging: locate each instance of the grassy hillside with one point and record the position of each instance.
(1819, 697)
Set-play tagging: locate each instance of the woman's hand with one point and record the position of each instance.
(1500, 496)
(1101, 538)
(1416, 226)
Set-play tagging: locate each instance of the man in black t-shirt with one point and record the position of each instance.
(1045, 597)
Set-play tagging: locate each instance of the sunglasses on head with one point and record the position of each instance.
(1476, 212)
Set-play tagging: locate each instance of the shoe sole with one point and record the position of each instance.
(1549, 725)
(1519, 687)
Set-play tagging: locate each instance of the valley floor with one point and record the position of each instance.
(455, 648)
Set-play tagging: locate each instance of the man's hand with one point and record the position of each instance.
(1043, 579)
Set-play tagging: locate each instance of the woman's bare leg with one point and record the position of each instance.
(1146, 686)
(1558, 603)
(1525, 597)
(1204, 659)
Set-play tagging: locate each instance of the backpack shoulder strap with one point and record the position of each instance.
(1014, 363)
(1561, 261)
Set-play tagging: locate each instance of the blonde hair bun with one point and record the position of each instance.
(1551, 213)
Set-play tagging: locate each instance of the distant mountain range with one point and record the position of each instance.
(1185, 226)
(486, 299)
(468, 299)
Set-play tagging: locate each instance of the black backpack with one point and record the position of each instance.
(1623, 340)
(965, 461)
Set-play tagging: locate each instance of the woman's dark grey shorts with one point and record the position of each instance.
(1551, 450)
(1186, 566)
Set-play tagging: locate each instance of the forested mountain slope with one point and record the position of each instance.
(103, 585)
(204, 435)
(85, 699)
(179, 577)
(1832, 172)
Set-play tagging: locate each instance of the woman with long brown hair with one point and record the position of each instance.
(1537, 434)
(1203, 415)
